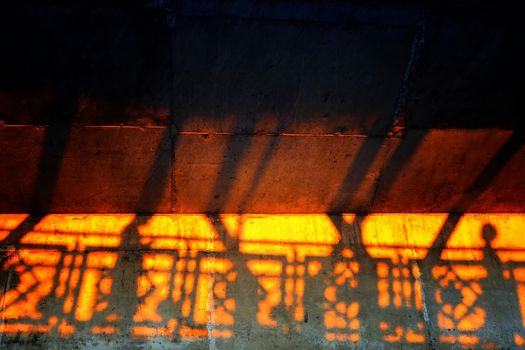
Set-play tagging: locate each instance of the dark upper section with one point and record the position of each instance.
(245, 75)
(263, 66)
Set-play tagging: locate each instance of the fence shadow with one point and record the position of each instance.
(382, 280)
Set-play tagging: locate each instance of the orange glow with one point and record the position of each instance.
(397, 241)
(9, 222)
(57, 269)
(209, 282)
(294, 238)
(341, 316)
(508, 241)
(78, 232)
(95, 282)
(181, 232)
(66, 274)
(183, 272)
(36, 269)
(464, 315)
(400, 236)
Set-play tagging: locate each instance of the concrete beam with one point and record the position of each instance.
(131, 169)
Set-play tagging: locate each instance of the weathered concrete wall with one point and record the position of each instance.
(262, 106)
(335, 67)
(130, 169)
(261, 281)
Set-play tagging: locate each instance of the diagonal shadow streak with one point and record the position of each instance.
(159, 177)
(369, 150)
(260, 171)
(513, 144)
(53, 151)
(356, 174)
(129, 263)
(491, 170)
(222, 186)
(49, 166)
(235, 151)
(357, 171)
(484, 179)
(489, 173)
(261, 168)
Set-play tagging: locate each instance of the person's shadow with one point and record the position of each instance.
(499, 296)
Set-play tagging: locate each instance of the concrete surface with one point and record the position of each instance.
(261, 107)
(228, 66)
(249, 100)
(131, 169)
(263, 282)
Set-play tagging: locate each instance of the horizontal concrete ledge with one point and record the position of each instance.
(132, 169)
(176, 132)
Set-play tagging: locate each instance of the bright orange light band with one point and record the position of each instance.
(187, 264)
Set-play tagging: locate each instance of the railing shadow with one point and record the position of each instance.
(376, 280)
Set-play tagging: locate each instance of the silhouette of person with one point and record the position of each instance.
(498, 298)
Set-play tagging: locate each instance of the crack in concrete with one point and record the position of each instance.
(212, 344)
(426, 318)
(417, 44)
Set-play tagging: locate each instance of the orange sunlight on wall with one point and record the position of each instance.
(182, 275)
